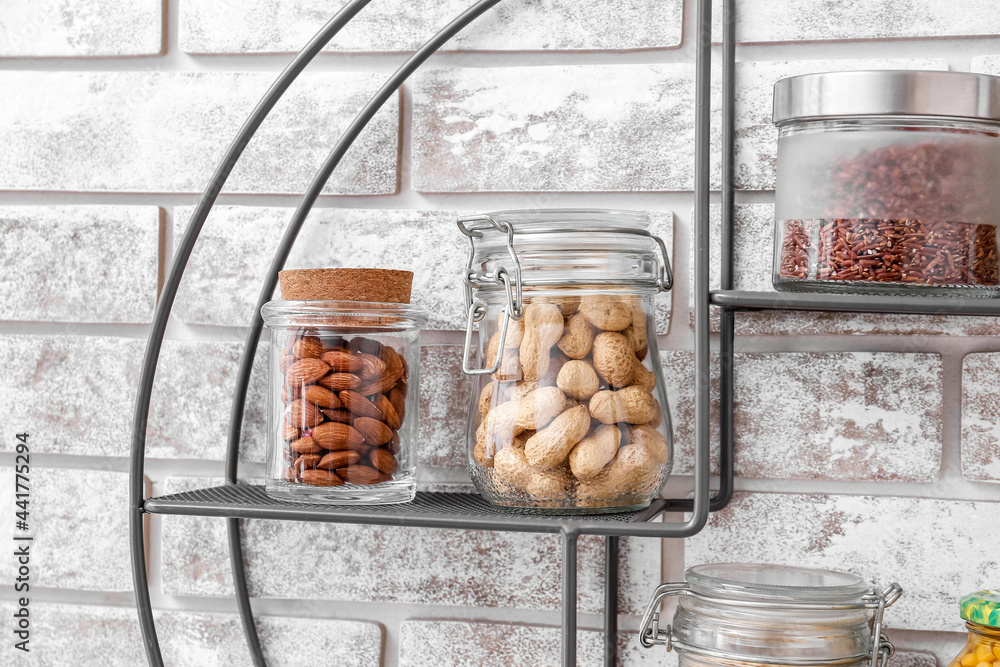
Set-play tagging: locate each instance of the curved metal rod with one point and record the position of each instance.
(140, 577)
(312, 193)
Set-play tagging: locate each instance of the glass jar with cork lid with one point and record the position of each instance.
(343, 382)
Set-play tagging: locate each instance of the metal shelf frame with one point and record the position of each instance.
(236, 501)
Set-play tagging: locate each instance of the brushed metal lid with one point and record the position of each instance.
(887, 92)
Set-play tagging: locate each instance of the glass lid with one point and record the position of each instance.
(565, 246)
(775, 582)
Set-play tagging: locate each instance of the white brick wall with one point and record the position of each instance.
(865, 442)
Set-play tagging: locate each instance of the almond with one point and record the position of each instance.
(339, 381)
(374, 432)
(289, 432)
(302, 413)
(309, 347)
(393, 445)
(381, 383)
(305, 445)
(391, 358)
(336, 436)
(359, 474)
(293, 391)
(306, 371)
(359, 405)
(306, 461)
(371, 367)
(342, 361)
(321, 396)
(366, 346)
(392, 419)
(321, 478)
(285, 362)
(341, 415)
(398, 399)
(289, 475)
(340, 459)
(335, 343)
(385, 462)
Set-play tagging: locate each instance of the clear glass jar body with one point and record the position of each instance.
(709, 630)
(982, 649)
(342, 405)
(888, 205)
(576, 417)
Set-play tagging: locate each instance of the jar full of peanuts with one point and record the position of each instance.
(570, 413)
(343, 387)
(981, 613)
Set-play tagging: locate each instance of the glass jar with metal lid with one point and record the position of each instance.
(570, 411)
(886, 183)
(751, 614)
(981, 613)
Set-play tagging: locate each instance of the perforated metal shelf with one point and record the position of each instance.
(427, 510)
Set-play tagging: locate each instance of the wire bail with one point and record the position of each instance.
(477, 309)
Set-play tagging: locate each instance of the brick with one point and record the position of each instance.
(756, 146)
(212, 27)
(167, 131)
(76, 390)
(71, 635)
(192, 396)
(393, 564)
(753, 255)
(986, 64)
(842, 416)
(576, 128)
(78, 263)
(815, 20)
(234, 250)
(79, 519)
(33, 28)
(445, 392)
(980, 431)
(937, 550)
(438, 642)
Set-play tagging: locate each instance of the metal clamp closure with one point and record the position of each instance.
(501, 276)
(477, 309)
(882, 649)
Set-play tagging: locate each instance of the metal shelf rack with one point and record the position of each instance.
(236, 501)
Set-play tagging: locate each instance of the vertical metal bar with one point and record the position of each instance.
(611, 544)
(243, 593)
(727, 324)
(569, 597)
(137, 547)
(702, 182)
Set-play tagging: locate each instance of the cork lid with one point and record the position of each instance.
(371, 285)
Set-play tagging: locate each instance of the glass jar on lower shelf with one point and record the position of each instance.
(981, 613)
(342, 412)
(570, 412)
(732, 614)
